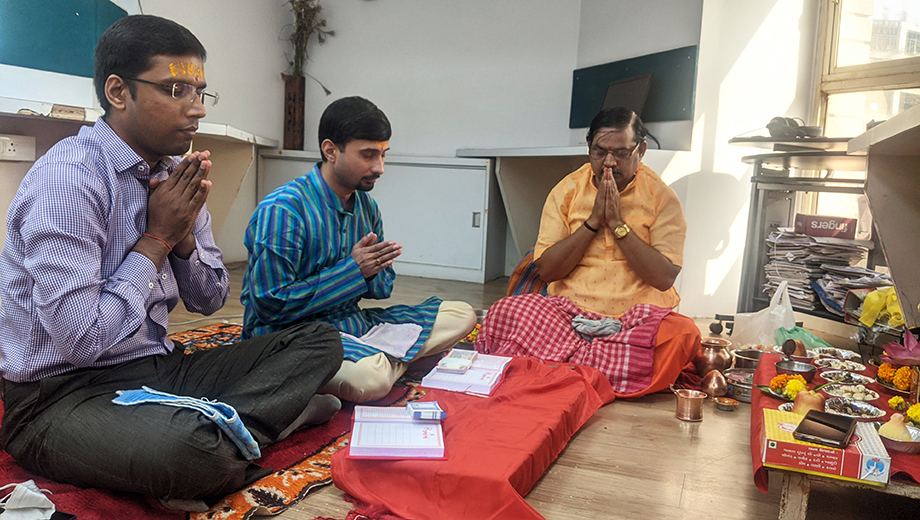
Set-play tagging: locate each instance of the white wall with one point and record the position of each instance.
(246, 56)
(472, 73)
(484, 74)
(614, 30)
(755, 62)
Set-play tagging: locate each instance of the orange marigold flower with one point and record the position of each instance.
(779, 382)
(902, 378)
(886, 372)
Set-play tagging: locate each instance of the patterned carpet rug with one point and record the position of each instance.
(304, 458)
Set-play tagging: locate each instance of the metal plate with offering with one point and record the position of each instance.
(840, 364)
(852, 408)
(857, 392)
(845, 378)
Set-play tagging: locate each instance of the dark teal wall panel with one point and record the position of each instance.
(670, 96)
(54, 35)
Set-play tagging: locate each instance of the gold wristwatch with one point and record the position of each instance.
(621, 231)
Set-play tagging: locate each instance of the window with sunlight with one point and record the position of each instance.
(871, 68)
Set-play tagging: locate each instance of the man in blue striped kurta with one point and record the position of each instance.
(316, 248)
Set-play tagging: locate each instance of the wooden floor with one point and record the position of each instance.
(632, 460)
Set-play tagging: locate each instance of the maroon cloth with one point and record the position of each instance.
(497, 447)
(688, 378)
(532, 325)
(902, 464)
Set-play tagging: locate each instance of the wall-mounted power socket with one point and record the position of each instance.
(17, 148)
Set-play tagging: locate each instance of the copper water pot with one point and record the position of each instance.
(713, 356)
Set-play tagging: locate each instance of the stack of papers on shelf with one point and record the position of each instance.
(484, 374)
(808, 264)
(390, 432)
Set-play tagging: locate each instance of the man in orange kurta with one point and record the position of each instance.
(611, 238)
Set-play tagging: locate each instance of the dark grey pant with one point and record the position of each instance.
(67, 429)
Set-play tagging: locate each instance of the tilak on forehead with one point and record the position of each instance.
(383, 144)
(188, 69)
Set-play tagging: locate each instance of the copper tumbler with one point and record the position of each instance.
(690, 405)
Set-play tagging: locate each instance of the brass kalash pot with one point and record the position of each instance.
(713, 355)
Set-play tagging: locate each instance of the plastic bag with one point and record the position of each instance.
(758, 328)
(810, 340)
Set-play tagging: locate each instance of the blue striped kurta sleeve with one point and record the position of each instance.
(278, 294)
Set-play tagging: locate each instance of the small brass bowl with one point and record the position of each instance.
(726, 403)
(793, 368)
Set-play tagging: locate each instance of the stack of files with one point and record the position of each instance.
(837, 251)
(838, 280)
(786, 253)
(798, 278)
(803, 262)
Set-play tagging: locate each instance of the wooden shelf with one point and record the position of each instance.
(811, 160)
(830, 144)
(897, 136)
(9, 110)
(893, 189)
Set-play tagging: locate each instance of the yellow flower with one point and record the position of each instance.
(793, 387)
(897, 403)
(471, 337)
(913, 413)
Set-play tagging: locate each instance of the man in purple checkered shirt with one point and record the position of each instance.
(108, 231)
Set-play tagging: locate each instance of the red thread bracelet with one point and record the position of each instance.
(160, 239)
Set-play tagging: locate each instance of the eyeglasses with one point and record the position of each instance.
(184, 91)
(621, 154)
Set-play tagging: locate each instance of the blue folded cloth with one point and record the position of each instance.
(223, 415)
(590, 329)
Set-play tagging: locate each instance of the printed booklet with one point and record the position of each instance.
(484, 374)
(391, 432)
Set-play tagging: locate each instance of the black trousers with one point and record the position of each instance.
(67, 429)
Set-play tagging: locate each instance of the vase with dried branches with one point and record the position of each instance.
(307, 22)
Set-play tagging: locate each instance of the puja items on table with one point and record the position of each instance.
(794, 388)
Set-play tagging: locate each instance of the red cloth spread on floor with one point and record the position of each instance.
(903, 465)
(497, 447)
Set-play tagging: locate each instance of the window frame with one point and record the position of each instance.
(886, 75)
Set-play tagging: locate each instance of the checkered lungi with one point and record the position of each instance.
(533, 325)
